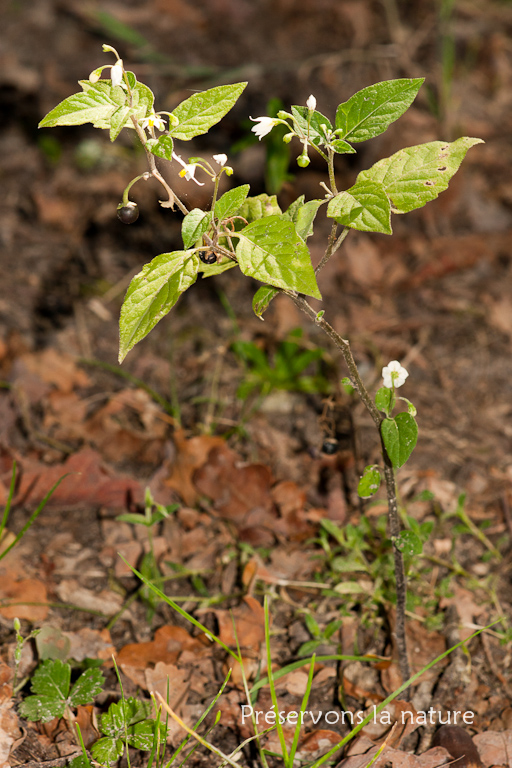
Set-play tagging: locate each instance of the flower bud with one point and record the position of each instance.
(288, 137)
(311, 103)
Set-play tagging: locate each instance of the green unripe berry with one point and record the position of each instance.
(303, 161)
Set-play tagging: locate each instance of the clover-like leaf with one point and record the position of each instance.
(107, 750)
(365, 207)
(88, 685)
(415, 175)
(400, 436)
(369, 483)
(50, 688)
(197, 114)
(231, 202)
(152, 294)
(270, 250)
(369, 111)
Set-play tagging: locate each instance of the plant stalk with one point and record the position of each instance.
(389, 474)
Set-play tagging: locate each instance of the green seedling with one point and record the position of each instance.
(153, 515)
(52, 694)
(285, 371)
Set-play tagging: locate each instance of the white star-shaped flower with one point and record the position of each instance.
(188, 171)
(153, 121)
(265, 125)
(394, 374)
(221, 159)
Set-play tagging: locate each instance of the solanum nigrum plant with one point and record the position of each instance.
(268, 244)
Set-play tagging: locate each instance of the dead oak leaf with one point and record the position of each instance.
(245, 624)
(190, 455)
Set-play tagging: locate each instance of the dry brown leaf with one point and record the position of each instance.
(90, 482)
(90, 643)
(495, 748)
(56, 368)
(106, 602)
(170, 682)
(190, 455)
(249, 624)
(317, 743)
(9, 730)
(240, 492)
(169, 642)
(22, 592)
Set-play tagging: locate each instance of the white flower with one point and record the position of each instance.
(221, 159)
(188, 171)
(394, 374)
(265, 125)
(311, 103)
(116, 73)
(153, 120)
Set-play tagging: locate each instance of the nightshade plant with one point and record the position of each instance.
(266, 243)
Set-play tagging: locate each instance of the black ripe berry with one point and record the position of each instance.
(128, 213)
(330, 446)
(207, 257)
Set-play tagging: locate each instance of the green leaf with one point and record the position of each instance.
(52, 678)
(385, 400)
(303, 216)
(342, 147)
(262, 299)
(152, 294)
(161, 147)
(97, 105)
(365, 207)
(369, 483)
(231, 202)
(41, 708)
(118, 121)
(369, 112)
(259, 207)
(143, 735)
(88, 685)
(79, 762)
(400, 436)
(198, 113)
(270, 250)
(409, 543)
(415, 175)
(107, 750)
(194, 225)
(93, 106)
(315, 132)
(123, 714)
